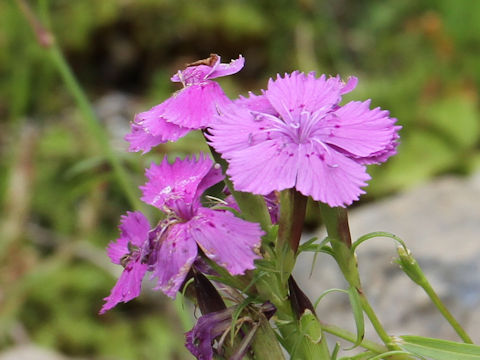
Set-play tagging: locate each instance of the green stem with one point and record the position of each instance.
(351, 337)
(292, 217)
(410, 266)
(46, 39)
(446, 313)
(367, 308)
(336, 223)
(93, 125)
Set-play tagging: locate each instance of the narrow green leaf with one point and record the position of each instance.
(311, 246)
(389, 353)
(306, 244)
(357, 309)
(438, 349)
(377, 234)
(335, 351)
(366, 355)
(323, 294)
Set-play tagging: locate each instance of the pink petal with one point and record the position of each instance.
(328, 176)
(150, 128)
(141, 140)
(199, 73)
(174, 259)
(220, 69)
(358, 130)
(238, 128)
(350, 85)
(265, 167)
(382, 155)
(177, 185)
(134, 228)
(299, 92)
(229, 241)
(127, 287)
(195, 106)
(257, 103)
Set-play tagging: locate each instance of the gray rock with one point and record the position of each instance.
(31, 352)
(440, 222)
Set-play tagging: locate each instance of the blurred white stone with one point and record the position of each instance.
(440, 222)
(30, 352)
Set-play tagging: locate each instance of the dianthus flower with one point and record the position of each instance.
(296, 135)
(191, 108)
(169, 249)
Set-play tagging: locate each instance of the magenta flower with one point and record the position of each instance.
(126, 251)
(199, 340)
(295, 135)
(191, 108)
(202, 342)
(229, 241)
(169, 250)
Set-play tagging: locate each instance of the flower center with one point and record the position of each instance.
(297, 127)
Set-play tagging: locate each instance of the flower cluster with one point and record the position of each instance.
(295, 135)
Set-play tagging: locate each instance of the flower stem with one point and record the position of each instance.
(367, 308)
(446, 313)
(351, 337)
(290, 225)
(410, 266)
(336, 223)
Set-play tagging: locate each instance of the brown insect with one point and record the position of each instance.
(210, 61)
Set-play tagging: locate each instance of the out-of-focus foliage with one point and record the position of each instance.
(60, 207)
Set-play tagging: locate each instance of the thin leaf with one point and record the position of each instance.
(376, 234)
(306, 244)
(357, 309)
(394, 352)
(310, 246)
(335, 351)
(439, 349)
(323, 294)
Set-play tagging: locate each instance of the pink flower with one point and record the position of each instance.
(295, 135)
(126, 251)
(191, 108)
(169, 250)
(176, 189)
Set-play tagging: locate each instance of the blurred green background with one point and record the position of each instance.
(60, 200)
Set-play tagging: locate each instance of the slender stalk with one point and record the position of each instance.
(367, 308)
(93, 124)
(336, 223)
(46, 39)
(351, 337)
(413, 270)
(446, 313)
